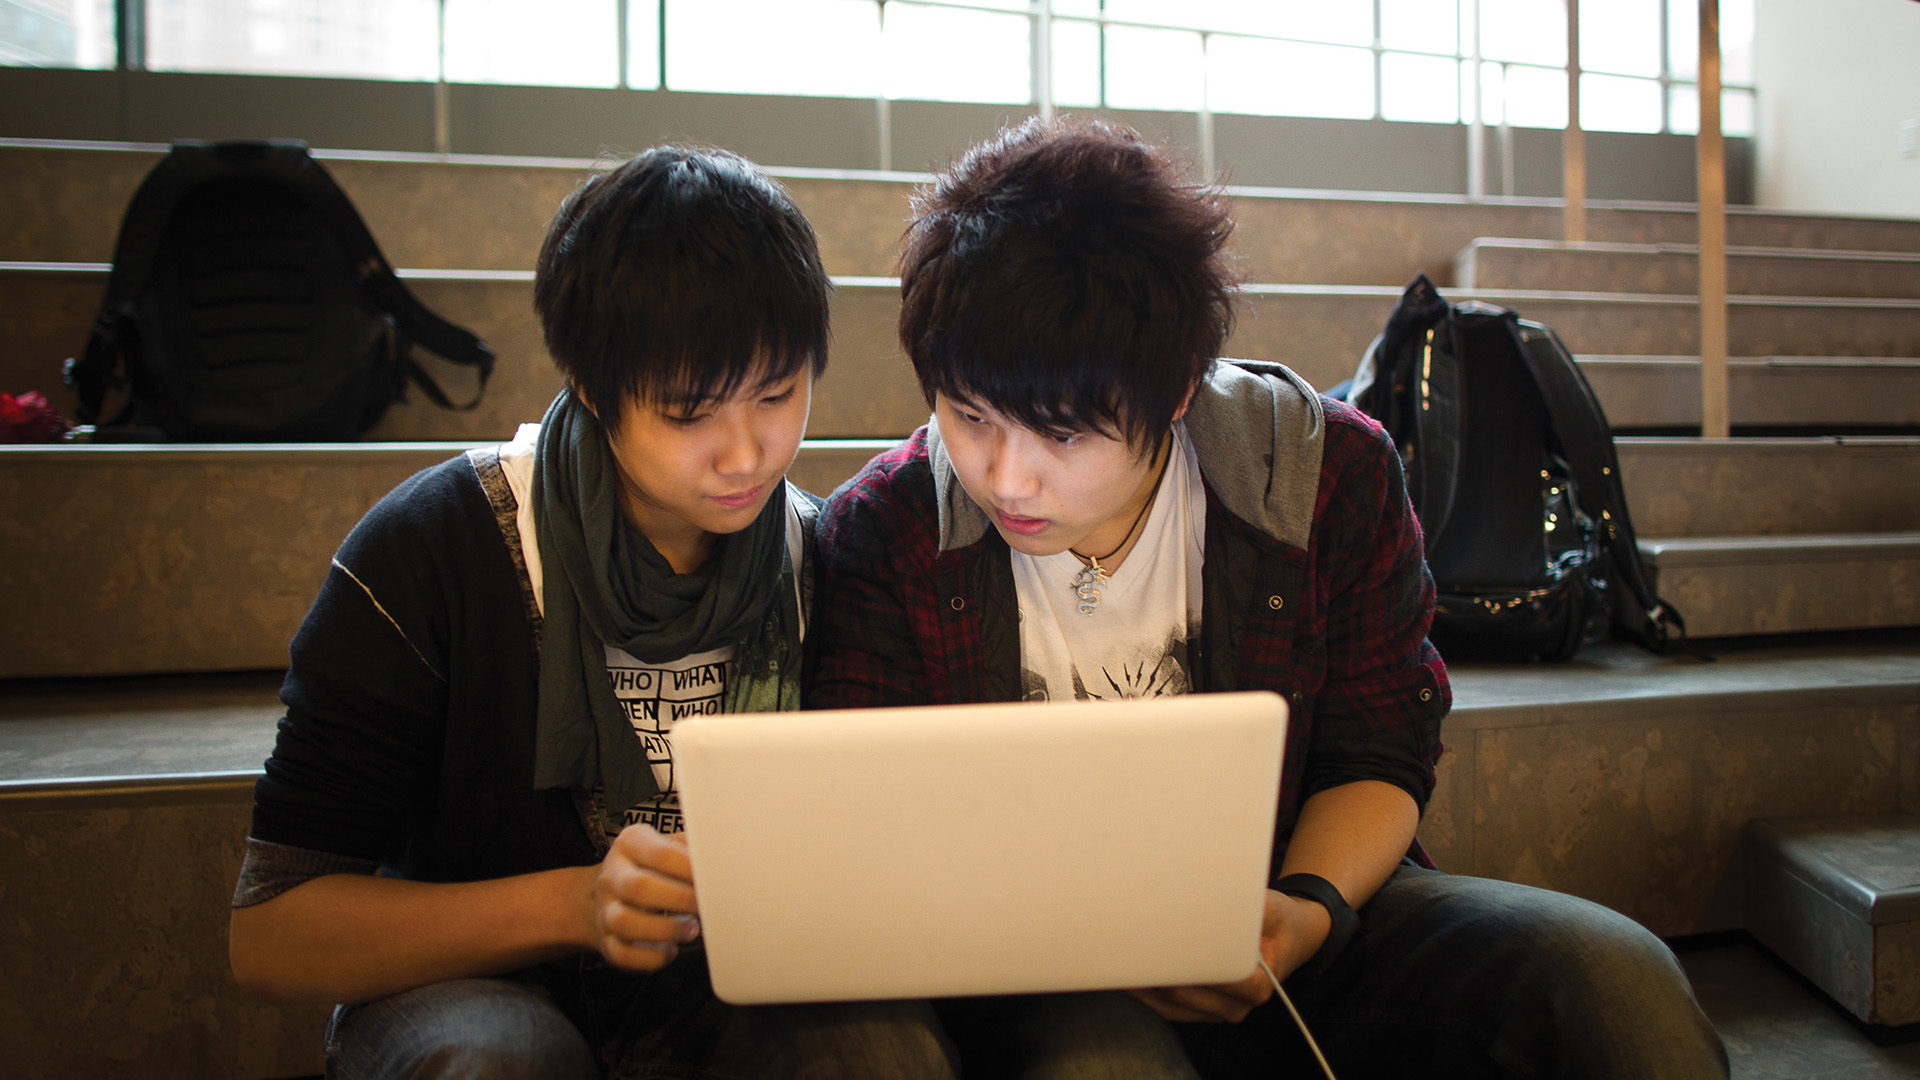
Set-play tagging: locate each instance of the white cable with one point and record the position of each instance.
(1302, 1024)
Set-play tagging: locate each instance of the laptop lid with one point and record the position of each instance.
(981, 849)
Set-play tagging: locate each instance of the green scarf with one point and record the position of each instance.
(606, 584)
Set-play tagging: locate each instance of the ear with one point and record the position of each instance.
(582, 399)
(1186, 402)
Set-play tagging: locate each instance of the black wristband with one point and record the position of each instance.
(1345, 921)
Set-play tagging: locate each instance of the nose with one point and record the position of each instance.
(1010, 472)
(739, 451)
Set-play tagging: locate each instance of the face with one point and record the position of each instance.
(693, 470)
(1045, 494)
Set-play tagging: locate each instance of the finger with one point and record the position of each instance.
(639, 927)
(1168, 1009)
(1210, 1002)
(663, 854)
(644, 887)
(1254, 990)
(638, 956)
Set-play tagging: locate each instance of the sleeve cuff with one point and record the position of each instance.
(271, 869)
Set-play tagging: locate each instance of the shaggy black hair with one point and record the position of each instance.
(1069, 277)
(676, 277)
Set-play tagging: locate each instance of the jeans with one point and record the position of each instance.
(1448, 977)
(1468, 977)
(579, 1018)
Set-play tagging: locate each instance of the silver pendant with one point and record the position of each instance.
(1086, 586)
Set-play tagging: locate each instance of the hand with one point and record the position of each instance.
(640, 902)
(1291, 930)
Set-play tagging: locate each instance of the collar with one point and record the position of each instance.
(1239, 404)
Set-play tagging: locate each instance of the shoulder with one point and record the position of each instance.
(893, 493)
(434, 529)
(422, 506)
(1354, 438)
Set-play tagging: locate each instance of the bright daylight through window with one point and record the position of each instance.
(1401, 60)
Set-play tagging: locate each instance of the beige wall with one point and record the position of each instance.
(1835, 80)
(831, 133)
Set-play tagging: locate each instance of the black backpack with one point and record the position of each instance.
(1510, 465)
(248, 302)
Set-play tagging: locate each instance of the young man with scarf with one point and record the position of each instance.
(1099, 508)
(468, 830)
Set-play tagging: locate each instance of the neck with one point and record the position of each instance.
(684, 545)
(1114, 541)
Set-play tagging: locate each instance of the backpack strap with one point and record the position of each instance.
(1415, 394)
(1586, 439)
(415, 323)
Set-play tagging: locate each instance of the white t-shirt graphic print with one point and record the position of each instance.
(1136, 641)
(655, 697)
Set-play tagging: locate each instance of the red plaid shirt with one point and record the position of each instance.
(1338, 628)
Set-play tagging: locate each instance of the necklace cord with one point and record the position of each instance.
(1152, 495)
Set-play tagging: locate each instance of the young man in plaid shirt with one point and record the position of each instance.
(1100, 508)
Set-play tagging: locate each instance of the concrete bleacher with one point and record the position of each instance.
(153, 589)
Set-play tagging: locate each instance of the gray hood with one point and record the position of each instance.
(1258, 430)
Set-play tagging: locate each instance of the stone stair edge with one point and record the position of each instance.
(1518, 298)
(912, 177)
(361, 451)
(1676, 248)
(307, 453)
(1583, 690)
(1797, 363)
(29, 795)
(1795, 841)
(1770, 443)
(1752, 550)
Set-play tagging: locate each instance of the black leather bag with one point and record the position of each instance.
(1511, 468)
(248, 302)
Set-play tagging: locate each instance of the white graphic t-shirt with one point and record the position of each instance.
(1135, 641)
(654, 696)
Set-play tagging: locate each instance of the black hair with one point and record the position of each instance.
(1068, 276)
(676, 277)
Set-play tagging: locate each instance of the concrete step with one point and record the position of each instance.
(1489, 263)
(1772, 393)
(125, 802)
(1838, 897)
(1728, 586)
(869, 391)
(1627, 778)
(1686, 487)
(128, 559)
(205, 558)
(61, 202)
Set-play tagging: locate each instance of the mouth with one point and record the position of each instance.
(740, 499)
(1020, 526)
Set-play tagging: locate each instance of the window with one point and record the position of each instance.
(57, 33)
(947, 54)
(372, 39)
(1420, 88)
(811, 47)
(1288, 78)
(1399, 60)
(533, 42)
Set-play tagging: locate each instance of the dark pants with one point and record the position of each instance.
(1448, 977)
(1468, 977)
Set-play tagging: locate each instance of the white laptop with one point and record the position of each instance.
(981, 849)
